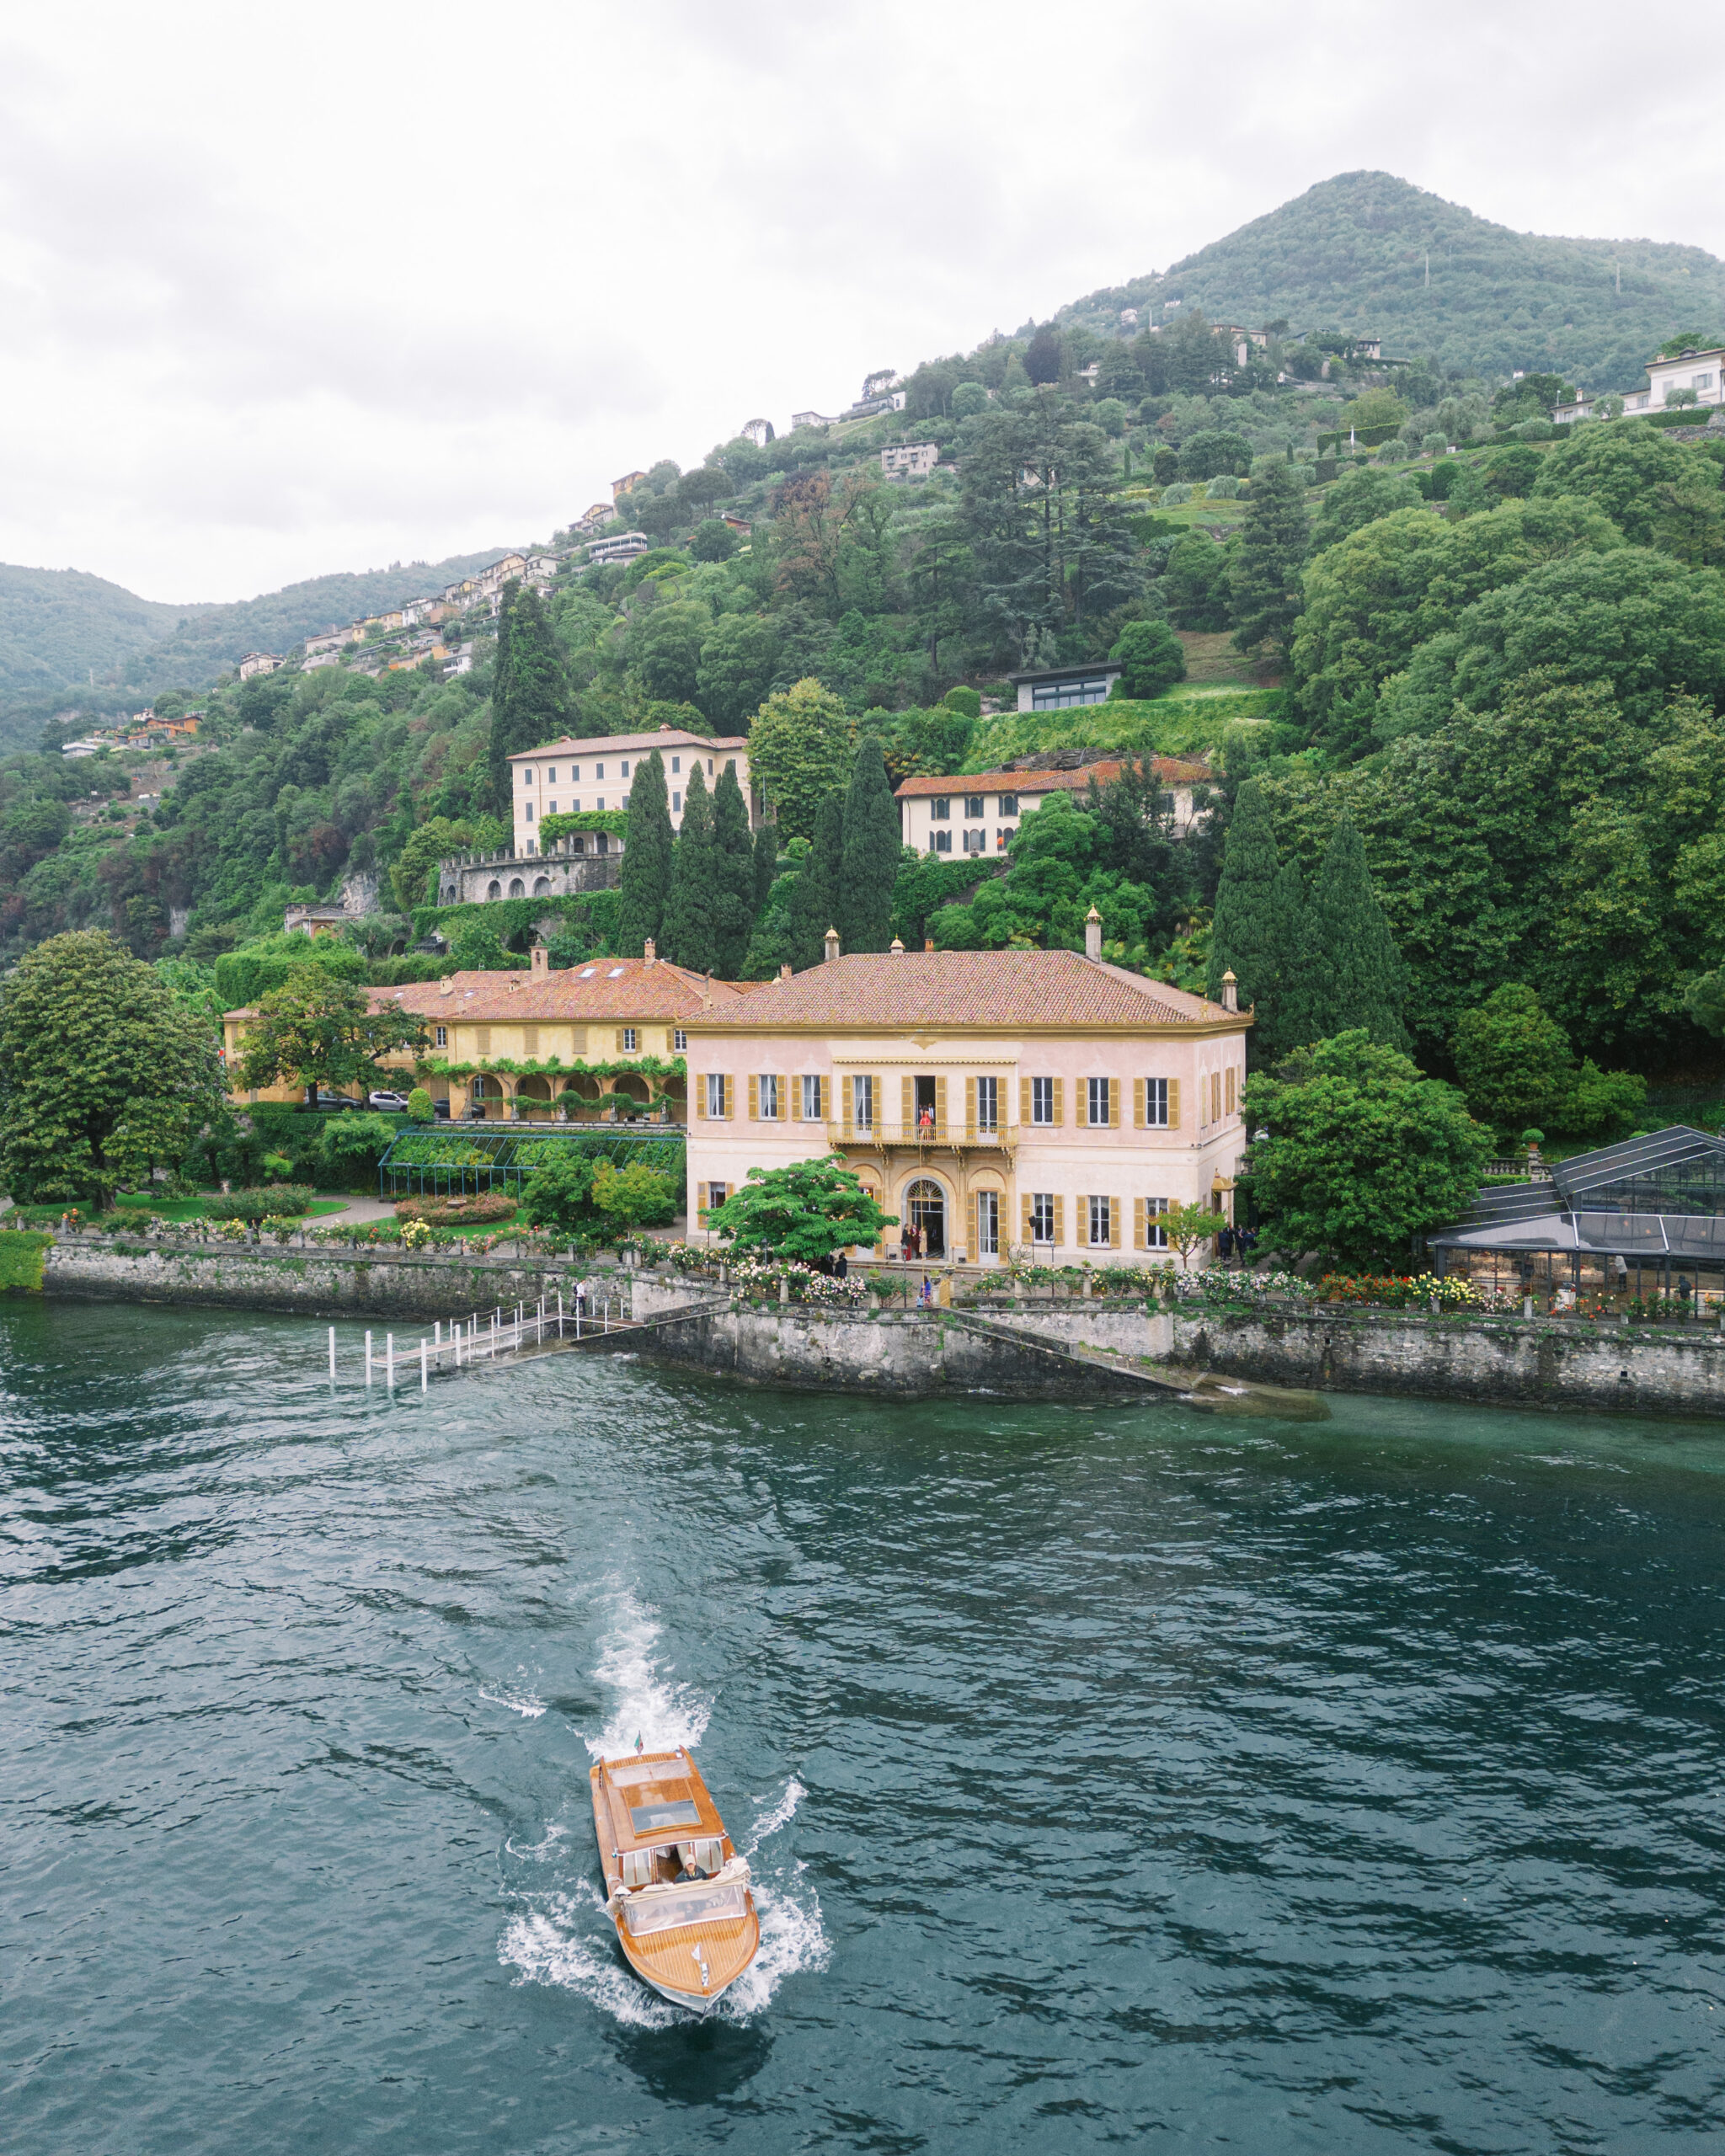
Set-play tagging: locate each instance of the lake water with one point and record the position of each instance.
(1110, 1775)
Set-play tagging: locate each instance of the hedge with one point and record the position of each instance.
(22, 1255)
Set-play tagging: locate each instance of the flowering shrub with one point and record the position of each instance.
(415, 1235)
(1399, 1291)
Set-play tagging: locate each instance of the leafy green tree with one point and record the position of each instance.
(664, 647)
(1616, 468)
(815, 895)
(804, 1213)
(873, 849)
(244, 976)
(104, 1072)
(1187, 1228)
(635, 1196)
(713, 541)
(1514, 1063)
(1152, 658)
(1196, 580)
(321, 1031)
(1353, 979)
(529, 697)
(644, 879)
(478, 947)
(1212, 451)
(1354, 1152)
(734, 877)
(1690, 524)
(431, 842)
(1359, 498)
(420, 1105)
(1268, 592)
(559, 1191)
(689, 928)
(798, 748)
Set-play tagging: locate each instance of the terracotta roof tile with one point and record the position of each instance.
(602, 988)
(1168, 769)
(624, 744)
(956, 988)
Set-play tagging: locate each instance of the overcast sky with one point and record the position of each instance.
(286, 290)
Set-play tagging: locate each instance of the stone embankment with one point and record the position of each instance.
(1031, 1347)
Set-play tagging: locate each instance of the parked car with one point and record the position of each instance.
(334, 1102)
(391, 1104)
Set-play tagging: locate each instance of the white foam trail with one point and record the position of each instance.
(663, 1714)
(781, 1815)
(553, 1834)
(792, 1939)
(525, 1702)
(547, 1952)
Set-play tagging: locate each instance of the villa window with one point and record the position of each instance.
(677, 802)
(1099, 1101)
(530, 812)
(677, 764)
(765, 1090)
(679, 1041)
(441, 1036)
(942, 842)
(1156, 1103)
(1003, 839)
(976, 841)
(1100, 1222)
(715, 1096)
(626, 767)
(1009, 804)
(1155, 1237)
(630, 1037)
(988, 1224)
(810, 1110)
(988, 1104)
(973, 806)
(717, 1192)
(1042, 1100)
(863, 1103)
(940, 808)
(551, 776)
(1041, 1216)
(599, 771)
(527, 775)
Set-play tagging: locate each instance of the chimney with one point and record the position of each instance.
(1231, 991)
(927, 943)
(650, 955)
(541, 957)
(784, 971)
(897, 948)
(830, 943)
(1093, 934)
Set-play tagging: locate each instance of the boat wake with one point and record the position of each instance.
(648, 1706)
(524, 1701)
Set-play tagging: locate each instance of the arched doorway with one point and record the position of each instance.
(517, 889)
(542, 887)
(926, 1210)
(494, 889)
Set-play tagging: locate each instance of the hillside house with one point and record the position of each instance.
(980, 813)
(330, 640)
(596, 519)
(1702, 372)
(1060, 688)
(626, 485)
(989, 1099)
(580, 777)
(621, 547)
(913, 460)
(420, 611)
(258, 662)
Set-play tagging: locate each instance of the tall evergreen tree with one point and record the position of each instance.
(766, 864)
(869, 865)
(1268, 592)
(530, 692)
(1243, 934)
(690, 924)
(1355, 977)
(643, 881)
(815, 898)
(733, 876)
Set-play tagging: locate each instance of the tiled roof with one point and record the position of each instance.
(603, 988)
(669, 737)
(1168, 769)
(952, 988)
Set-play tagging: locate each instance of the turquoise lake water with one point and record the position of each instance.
(1111, 1776)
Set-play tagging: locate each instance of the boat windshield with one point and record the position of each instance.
(709, 1904)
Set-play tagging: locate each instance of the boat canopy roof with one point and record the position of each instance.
(657, 1798)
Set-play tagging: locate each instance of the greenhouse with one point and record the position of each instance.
(1644, 1217)
(463, 1162)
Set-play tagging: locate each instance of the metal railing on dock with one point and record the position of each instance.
(478, 1339)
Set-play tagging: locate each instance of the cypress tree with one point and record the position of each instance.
(766, 865)
(1266, 589)
(815, 898)
(643, 881)
(1283, 1022)
(689, 922)
(734, 877)
(529, 694)
(1244, 934)
(870, 866)
(1354, 976)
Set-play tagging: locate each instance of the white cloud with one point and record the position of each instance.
(283, 292)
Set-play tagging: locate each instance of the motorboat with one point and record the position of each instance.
(675, 1887)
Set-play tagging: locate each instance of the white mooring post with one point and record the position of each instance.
(331, 1354)
(425, 1369)
(493, 1335)
(389, 1360)
(368, 1359)
(437, 1331)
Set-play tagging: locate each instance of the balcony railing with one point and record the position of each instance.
(895, 1132)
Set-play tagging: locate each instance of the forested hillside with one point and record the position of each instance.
(1352, 254)
(58, 626)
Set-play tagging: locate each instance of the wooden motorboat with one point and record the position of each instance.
(675, 1887)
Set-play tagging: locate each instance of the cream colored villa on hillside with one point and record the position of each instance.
(989, 1098)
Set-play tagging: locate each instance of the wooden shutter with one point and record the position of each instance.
(907, 1105)
(1113, 1224)
(1028, 1235)
(970, 1134)
(578, 1040)
(940, 1108)
(1138, 1236)
(847, 1099)
(530, 1040)
(1060, 1208)
(724, 1089)
(1173, 1104)
(1060, 1102)
(482, 1040)
(1139, 1110)
(1229, 1094)
(1113, 1104)
(701, 1098)
(1215, 1097)
(971, 1227)
(754, 1099)
(1024, 1102)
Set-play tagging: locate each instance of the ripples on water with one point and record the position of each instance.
(1109, 1776)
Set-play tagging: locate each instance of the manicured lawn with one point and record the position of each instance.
(192, 1209)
